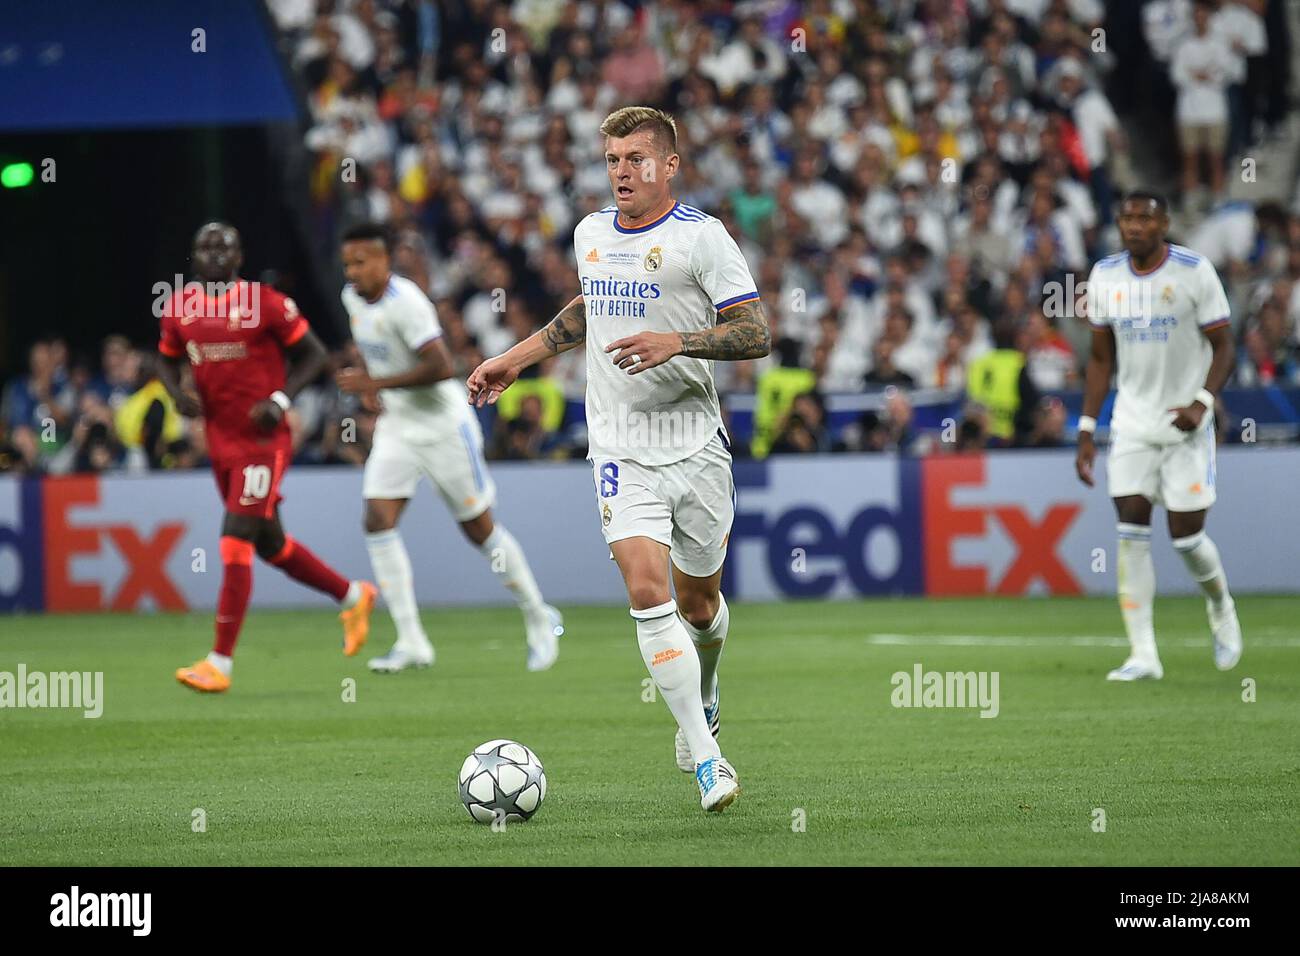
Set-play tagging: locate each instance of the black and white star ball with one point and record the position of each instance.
(502, 779)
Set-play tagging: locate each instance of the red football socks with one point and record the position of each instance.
(300, 564)
(236, 588)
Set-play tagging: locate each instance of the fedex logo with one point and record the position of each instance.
(52, 531)
(925, 529)
(1035, 541)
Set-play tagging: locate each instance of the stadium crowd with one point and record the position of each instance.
(906, 179)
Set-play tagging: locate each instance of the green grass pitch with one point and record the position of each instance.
(287, 772)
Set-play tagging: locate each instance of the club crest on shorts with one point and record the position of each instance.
(606, 516)
(654, 259)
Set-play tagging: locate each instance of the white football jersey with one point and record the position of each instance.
(390, 334)
(1158, 319)
(671, 275)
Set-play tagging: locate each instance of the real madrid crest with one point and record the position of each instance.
(606, 516)
(1167, 295)
(654, 259)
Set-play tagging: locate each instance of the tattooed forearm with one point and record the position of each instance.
(741, 333)
(568, 328)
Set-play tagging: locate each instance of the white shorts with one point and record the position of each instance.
(454, 465)
(1179, 476)
(687, 505)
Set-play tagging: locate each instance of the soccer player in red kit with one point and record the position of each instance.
(237, 337)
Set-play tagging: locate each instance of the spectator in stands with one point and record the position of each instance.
(120, 366)
(999, 382)
(803, 427)
(537, 399)
(1100, 134)
(1049, 359)
(1270, 356)
(37, 408)
(1048, 430)
(753, 204)
(1201, 71)
(147, 423)
(775, 393)
(1243, 33)
(884, 372)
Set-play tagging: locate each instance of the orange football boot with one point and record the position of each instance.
(356, 620)
(203, 676)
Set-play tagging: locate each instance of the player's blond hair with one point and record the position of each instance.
(629, 119)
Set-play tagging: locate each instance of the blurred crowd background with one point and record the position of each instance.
(905, 177)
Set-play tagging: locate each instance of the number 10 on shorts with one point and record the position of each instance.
(257, 481)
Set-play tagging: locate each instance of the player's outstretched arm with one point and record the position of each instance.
(434, 366)
(566, 331)
(741, 333)
(1101, 362)
(307, 359)
(169, 373)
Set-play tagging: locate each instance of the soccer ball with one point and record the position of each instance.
(502, 780)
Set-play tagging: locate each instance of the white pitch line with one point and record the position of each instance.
(1076, 640)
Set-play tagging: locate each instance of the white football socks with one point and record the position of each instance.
(392, 567)
(672, 661)
(1202, 559)
(708, 644)
(1136, 578)
(508, 563)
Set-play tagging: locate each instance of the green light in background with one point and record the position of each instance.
(17, 175)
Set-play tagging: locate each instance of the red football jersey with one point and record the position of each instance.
(235, 341)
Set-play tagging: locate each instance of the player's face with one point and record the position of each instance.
(1142, 226)
(366, 265)
(216, 254)
(639, 172)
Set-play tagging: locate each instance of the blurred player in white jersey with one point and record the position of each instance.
(425, 429)
(665, 292)
(1160, 311)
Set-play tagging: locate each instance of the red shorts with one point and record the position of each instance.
(249, 482)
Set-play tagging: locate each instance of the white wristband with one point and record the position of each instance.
(1206, 398)
(281, 399)
(1087, 424)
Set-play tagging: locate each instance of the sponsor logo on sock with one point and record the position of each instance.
(76, 690)
(663, 657)
(133, 910)
(922, 688)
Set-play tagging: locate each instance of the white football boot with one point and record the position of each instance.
(544, 638)
(1227, 634)
(1137, 669)
(401, 658)
(719, 786)
(685, 759)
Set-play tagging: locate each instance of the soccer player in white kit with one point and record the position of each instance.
(1159, 309)
(665, 292)
(425, 429)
